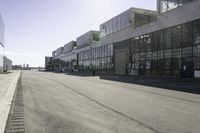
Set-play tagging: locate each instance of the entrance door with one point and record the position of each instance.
(142, 69)
(120, 62)
(187, 70)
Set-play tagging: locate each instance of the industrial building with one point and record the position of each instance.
(169, 46)
(48, 63)
(138, 42)
(5, 63)
(1, 42)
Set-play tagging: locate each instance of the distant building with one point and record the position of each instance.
(7, 65)
(17, 67)
(48, 63)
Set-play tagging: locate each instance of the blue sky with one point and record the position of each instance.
(34, 28)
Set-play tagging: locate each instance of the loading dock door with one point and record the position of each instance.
(120, 62)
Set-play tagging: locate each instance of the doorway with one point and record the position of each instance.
(120, 62)
(187, 69)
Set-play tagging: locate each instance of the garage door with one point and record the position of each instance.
(120, 62)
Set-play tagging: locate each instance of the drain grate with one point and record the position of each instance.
(15, 123)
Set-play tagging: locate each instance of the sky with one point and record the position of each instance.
(34, 28)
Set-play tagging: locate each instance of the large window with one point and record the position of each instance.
(196, 43)
(186, 40)
(167, 5)
(99, 58)
(120, 22)
(142, 19)
(164, 50)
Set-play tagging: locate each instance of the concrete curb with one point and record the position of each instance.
(9, 84)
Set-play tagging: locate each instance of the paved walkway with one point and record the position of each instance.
(8, 84)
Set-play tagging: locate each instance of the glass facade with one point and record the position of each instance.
(66, 63)
(167, 5)
(172, 52)
(88, 39)
(132, 17)
(164, 52)
(48, 63)
(99, 59)
(142, 19)
(120, 22)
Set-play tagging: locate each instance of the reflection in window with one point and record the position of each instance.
(167, 5)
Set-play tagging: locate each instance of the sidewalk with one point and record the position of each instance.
(8, 84)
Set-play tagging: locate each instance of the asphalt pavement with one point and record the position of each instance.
(60, 103)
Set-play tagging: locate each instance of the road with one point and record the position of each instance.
(59, 103)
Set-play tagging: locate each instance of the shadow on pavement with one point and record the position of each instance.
(80, 74)
(190, 86)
